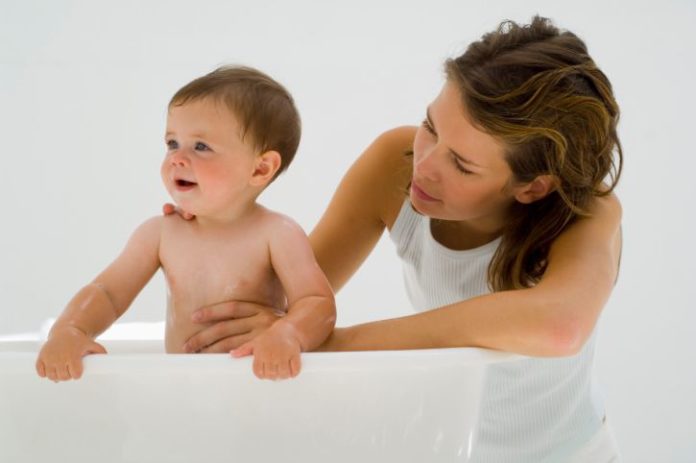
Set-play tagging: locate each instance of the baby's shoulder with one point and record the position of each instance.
(148, 233)
(152, 225)
(271, 218)
(276, 223)
(174, 227)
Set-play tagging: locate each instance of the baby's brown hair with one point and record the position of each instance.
(264, 109)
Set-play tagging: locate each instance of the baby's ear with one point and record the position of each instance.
(265, 167)
(537, 189)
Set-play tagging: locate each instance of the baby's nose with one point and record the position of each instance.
(178, 159)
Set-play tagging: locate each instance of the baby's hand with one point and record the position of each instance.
(60, 359)
(276, 352)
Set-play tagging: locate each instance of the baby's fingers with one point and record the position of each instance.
(57, 372)
(51, 373)
(282, 369)
(290, 368)
(94, 348)
(259, 367)
(295, 366)
(40, 368)
(74, 368)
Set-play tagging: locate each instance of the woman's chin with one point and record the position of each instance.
(420, 206)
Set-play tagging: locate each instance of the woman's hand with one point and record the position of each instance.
(169, 209)
(231, 325)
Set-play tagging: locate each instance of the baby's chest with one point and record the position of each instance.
(217, 271)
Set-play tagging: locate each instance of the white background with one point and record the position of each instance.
(83, 93)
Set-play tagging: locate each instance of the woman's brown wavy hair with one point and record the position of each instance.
(536, 88)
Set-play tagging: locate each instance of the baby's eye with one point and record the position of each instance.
(201, 147)
(172, 144)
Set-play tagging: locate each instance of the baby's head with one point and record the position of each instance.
(229, 134)
(264, 109)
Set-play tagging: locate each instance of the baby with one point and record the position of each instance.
(229, 134)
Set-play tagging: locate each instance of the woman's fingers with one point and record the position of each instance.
(227, 345)
(230, 321)
(169, 209)
(226, 310)
(218, 337)
(242, 351)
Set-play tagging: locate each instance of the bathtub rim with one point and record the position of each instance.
(19, 356)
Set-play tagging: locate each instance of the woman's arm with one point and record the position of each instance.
(554, 318)
(367, 200)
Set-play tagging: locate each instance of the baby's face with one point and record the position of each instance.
(207, 167)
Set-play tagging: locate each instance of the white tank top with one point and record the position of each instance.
(533, 410)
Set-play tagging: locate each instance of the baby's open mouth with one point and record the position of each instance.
(184, 183)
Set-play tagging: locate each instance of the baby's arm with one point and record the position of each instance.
(311, 308)
(96, 306)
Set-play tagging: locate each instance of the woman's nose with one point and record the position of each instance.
(426, 164)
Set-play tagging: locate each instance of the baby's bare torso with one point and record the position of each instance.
(206, 266)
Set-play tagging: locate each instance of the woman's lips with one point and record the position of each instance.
(420, 194)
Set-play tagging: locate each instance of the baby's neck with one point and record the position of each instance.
(228, 217)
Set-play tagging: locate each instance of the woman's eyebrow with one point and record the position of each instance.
(454, 153)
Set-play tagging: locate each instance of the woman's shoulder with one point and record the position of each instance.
(388, 157)
(597, 233)
(606, 209)
(388, 170)
(397, 140)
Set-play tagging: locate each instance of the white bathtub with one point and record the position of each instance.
(140, 405)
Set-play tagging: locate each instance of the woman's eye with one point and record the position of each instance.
(459, 167)
(172, 144)
(201, 146)
(429, 128)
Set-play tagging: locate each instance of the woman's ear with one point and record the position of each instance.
(537, 189)
(265, 167)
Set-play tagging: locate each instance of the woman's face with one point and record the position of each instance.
(459, 172)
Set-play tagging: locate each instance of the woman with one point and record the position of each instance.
(509, 234)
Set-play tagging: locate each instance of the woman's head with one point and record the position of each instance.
(536, 90)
